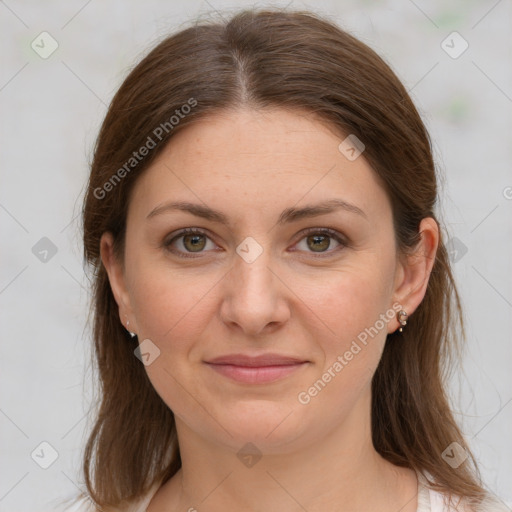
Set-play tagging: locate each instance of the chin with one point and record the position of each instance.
(272, 427)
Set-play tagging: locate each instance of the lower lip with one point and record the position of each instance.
(257, 374)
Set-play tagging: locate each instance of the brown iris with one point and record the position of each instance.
(197, 242)
(321, 242)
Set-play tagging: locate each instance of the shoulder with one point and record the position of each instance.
(492, 504)
(84, 504)
(435, 501)
(441, 502)
(75, 503)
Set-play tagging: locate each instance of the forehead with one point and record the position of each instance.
(253, 161)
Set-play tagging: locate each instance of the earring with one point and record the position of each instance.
(402, 319)
(132, 334)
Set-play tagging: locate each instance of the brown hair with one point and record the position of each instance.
(270, 59)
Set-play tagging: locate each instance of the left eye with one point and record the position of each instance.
(320, 240)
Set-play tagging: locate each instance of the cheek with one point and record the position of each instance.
(170, 306)
(173, 312)
(353, 306)
(347, 301)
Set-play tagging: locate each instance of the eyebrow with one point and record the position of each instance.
(287, 216)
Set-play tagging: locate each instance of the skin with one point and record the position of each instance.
(293, 299)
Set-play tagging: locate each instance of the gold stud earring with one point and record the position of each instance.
(402, 319)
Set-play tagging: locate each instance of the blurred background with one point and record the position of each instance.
(61, 63)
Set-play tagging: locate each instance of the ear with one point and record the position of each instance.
(413, 270)
(117, 279)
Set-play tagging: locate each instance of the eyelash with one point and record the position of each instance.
(317, 231)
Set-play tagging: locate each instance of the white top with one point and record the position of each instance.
(428, 501)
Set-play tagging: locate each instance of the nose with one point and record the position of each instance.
(255, 298)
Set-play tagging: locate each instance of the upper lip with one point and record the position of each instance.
(256, 361)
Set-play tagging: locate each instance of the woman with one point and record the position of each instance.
(274, 306)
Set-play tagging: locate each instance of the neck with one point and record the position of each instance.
(342, 468)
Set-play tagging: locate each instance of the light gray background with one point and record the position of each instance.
(51, 112)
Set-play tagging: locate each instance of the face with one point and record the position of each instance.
(279, 270)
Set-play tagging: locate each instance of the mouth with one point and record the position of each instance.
(261, 369)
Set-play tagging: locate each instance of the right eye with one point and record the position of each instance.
(188, 240)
